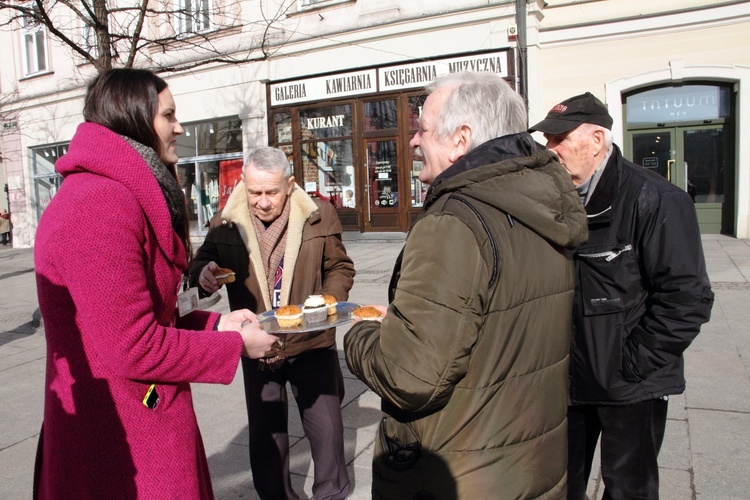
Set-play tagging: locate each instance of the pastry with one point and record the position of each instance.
(315, 309)
(367, 313)
(224, 276)
(331, 303)
(288, 316)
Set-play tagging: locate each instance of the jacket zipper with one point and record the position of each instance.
(591, 216)
(610, 255)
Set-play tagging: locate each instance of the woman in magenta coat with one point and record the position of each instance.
(110, 252)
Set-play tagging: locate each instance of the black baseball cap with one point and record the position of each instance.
(570, 113)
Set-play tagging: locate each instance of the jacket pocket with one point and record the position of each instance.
(609, 279)
(401, 448)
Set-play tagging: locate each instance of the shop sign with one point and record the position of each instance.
(318, 122)
(650, 162)
(420, 74)
(669, 104)
(324, 87)
(385, 79)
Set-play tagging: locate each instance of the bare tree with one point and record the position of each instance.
(166, 35)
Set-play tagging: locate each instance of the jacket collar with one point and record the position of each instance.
(599, 207)
(302, 210)
(492, 151)
(518, 177)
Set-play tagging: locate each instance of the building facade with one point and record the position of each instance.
(337, 85)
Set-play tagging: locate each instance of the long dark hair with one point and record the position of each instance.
(126, 100)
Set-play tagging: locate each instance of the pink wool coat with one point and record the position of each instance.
(108, 267)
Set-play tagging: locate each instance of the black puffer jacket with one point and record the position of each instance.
(472, 359)
(642, 290)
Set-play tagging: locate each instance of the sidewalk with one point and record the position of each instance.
(705, 454)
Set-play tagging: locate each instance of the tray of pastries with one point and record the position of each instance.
(319, 312)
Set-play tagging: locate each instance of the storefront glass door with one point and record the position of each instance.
(692, 158)
(684, 132)
(382, 189)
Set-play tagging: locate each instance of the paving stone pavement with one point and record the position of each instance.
(705, 455)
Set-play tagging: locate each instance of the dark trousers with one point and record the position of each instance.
(318, 387)
(631, 438)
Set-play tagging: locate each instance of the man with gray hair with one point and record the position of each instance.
(641, 298)
(471, 356)
(284, 246)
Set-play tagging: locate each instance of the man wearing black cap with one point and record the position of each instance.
(641, 297)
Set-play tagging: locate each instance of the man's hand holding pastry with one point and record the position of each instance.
(212, 277)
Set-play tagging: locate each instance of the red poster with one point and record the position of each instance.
(230, 174)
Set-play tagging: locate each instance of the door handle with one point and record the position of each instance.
(670, 164)
(367, 190)
(687, 179)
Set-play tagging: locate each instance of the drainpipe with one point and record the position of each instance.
(521, 63)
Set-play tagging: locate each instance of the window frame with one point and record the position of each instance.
(36, 33)
(201, 14)
(303, 5)
(88, 35)
(50, 176)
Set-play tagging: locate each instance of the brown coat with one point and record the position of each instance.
(315, 258)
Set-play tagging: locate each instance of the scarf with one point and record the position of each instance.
(272, 243)
(173, 194)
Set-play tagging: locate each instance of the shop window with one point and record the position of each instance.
(381, 115)
(193, 16)
(289, 150)
(326, 152)
(415, 104)
(326, 122)
(328, 171)
(210, 138)
(46, 180)
(200, 183)
(209, 168)
(283, 127)
(34, 44)
(418, 188)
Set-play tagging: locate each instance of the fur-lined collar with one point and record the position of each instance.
(303, 209)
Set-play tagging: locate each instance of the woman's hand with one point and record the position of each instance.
(256, 341)
(233, 321)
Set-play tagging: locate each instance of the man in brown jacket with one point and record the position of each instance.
(283, 247)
